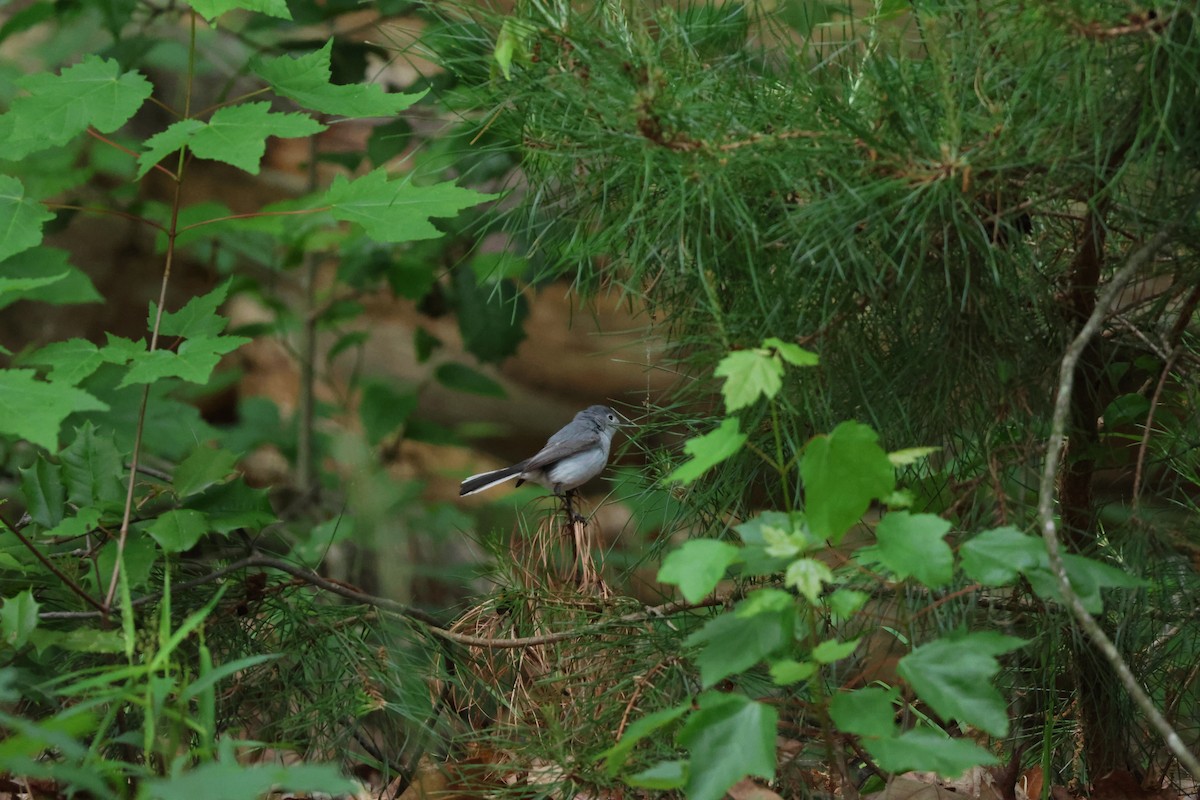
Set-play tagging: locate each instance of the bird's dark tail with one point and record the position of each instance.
(486, 480)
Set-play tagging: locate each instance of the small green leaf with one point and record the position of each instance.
(808, 576)
(865, 712)
(1124, 410)
(843, 472)
(211, 9)
(829, 651)
(697, 566)
(843, 603)
(141, 554)
(728, 738)
(662, 776)
(997, 556)
(709, 450)
(749, 375)
(424, 343)
(18, 619)
(792, 353)
(93, 468)
(204, 467)
(21, 218)
(954, 677)
(234, 135)
(924, 750)
(306, 80)
(120, 350)
(234, 505)
(228, 778)
(70, 361)
(384, 409)
(178, 531)
(910, 455)
(494, 267)
(616, 756)
(462, 378)
(511, 42)
(787, 671)
(732, 643)
(397, 210)
(34, 410)
(71, 287)
(197, 319)
(765, 601)
(44, 492)
(914, 544)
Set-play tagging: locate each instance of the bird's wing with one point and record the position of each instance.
(557, 451)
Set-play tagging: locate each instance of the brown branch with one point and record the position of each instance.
(427, 621)
(48, 564)
(97, 135)
(1062, 407)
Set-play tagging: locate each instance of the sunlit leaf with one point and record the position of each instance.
(697, 566)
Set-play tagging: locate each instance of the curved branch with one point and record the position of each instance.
(1062, 404)
(427, 621)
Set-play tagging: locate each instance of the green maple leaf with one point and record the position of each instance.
(235, 135)
(211, 9)
(307, 81)
(749, 374)
(93, 93)
(397, 210)
(193, 362)
(34, 410)
(709, 450)
(21, 218)
(70, 361)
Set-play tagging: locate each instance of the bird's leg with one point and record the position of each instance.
(572, 515)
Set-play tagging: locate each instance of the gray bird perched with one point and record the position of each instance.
(571, 457)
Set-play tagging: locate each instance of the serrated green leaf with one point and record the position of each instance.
(197, 318)
(709, 450)
(749, 375)
(731, 644)
(92, 468)
(93, 93)
(1088, 577)
(397, 210)
(70, 361)
(234, 135)
(462, 378)
(755, 533)
(34, 410)
(306, 79)
(792, 353)
(204, 467)
(141, 554)
(662, 776)
(616, 756)
(72, 286)
(914, 544)
(83, 523)
(728, 738)
(44, 492)
(120, 350)
(193, 362)
(178, 531)
(765, 601)
(21, 218)
(697, 566)
(233, 505)
(927, 751)
(954, 677)
(808, 576)
(14, 289)
(865, 712)
(18, 619)
(211, 9)
(843, 472)
(384, 409)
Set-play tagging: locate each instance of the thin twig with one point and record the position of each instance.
(1136, 261)
(48, 564)
(424, 619)
(1185, 315)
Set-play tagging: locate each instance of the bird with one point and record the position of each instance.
(570, 458)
